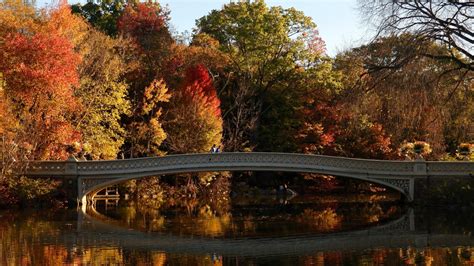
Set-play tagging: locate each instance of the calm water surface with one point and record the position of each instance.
(334, 231)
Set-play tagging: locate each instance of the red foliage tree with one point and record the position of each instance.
(328, 130)
(193, 120)
(146, 24)
(39, 72)
(141, 19)
(198, 85)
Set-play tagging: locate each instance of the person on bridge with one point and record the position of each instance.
(213, 149)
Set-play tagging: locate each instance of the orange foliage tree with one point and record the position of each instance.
(39, 71)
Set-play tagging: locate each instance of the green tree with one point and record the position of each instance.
(270, 50)
(102, 14)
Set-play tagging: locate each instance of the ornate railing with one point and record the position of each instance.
(252, 161)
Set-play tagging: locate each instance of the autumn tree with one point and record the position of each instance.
(413, 97)
(39, 71)
(203, 50)
(269, 56)
(328, 129)
(193, 120)
(145, 24)
(15, 17)
(102, 91)
(147, 134)
(103, 94)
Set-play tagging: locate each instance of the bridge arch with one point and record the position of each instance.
(96, 185)
(97, 175)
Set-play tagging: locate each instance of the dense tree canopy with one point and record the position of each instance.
(413, 97)
(266, 47)
(108, 80)
(114, 80)
(40, 71)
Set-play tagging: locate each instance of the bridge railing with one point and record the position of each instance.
(449, 167)
(229, 159)
(251, 159)
(51, 167)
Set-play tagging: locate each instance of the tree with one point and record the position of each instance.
(204, 50)
(268, 53)
(147, 134)
(103, 94)
(193, 120)
(446, 22)
(39, 72)
(102, 14)
(101, 90)
(145, 24)
(17, 17)
(413, 97)
(327, 129)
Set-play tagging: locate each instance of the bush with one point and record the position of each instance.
(24, 191)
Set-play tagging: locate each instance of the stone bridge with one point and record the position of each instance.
(93, 176)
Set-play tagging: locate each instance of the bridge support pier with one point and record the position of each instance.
(411, 190)
(81, 196)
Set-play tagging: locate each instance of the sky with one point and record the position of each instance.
(338, 21)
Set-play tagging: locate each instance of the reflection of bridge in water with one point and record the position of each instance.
(94, 229)
(93, 176)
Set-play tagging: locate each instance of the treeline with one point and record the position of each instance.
(108, 79)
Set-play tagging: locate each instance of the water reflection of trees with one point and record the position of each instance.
(325, 220)
(403, 256)
(33, 239)
(222, 218)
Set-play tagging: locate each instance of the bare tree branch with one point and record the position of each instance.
(448, 22)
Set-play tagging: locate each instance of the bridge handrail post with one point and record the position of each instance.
(71, 166)
(420, 167)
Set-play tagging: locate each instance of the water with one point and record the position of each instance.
(334, 231)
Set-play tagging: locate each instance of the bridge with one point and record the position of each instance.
(93, 176)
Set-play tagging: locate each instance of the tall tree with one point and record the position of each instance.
(268, 52)
(146, 25)
(102, 91)
(103, 94)
(39, 71)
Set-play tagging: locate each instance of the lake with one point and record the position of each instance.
(322, 230)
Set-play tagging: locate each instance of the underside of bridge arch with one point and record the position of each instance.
(90, 186)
